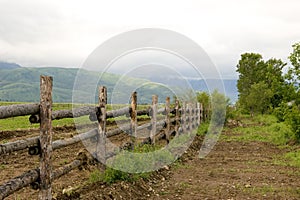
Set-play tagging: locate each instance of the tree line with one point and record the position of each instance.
(271, 86)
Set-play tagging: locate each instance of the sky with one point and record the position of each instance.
(38, 33)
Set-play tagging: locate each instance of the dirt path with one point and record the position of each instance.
(232, 170)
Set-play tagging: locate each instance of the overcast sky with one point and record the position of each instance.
(63, 33)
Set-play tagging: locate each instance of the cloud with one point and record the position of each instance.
(64, 33)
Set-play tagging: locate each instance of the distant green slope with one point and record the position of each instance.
(22, 84)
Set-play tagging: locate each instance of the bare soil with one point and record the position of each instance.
(232, 170)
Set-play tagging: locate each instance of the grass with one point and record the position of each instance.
(266, 128)
(289, 159)
(262, 128)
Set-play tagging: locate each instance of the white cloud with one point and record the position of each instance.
(63, 33)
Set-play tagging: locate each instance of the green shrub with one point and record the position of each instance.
(293, 119)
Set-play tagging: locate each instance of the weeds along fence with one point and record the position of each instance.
(183, 118)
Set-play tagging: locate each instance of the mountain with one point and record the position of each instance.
(5, 65)
(22, 84)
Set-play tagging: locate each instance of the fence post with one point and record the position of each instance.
(201, 113)
(183, 117)
(133, 116)
(190, 116)
(167, 130)
(101, 142)
(45, 137)
(177, 123)
(198, 114)
(153, 118)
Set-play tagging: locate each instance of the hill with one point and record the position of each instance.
(22, 84)
(5, 65)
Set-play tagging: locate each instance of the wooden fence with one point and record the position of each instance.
(184, 118)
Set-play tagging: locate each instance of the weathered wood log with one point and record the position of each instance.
(153, 118)
(18, 183)
(18, 145)
(190, 116)
(183, 118)
(32, 176)
(167, 129)
(45, 137)
(61, 114)
(18, 110)
(133, 119)
(101, 143)
(66, 169)
(57, 144)
(88, 110)
(177, 117)
(198, 114)
(119, 112)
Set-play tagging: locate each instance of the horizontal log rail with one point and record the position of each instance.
(32, 177)
(92, 111)
(19, 110)
(34, 141)
(33, 110)
(19, 182)
(18, 145)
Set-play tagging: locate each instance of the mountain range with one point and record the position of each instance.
(21, 84)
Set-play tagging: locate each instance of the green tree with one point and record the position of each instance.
(250, 69)
(275, 80)
(204, 98)
(259, 98)
(268, 75)
(293, 74)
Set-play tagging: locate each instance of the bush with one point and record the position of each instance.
(291, 115)
(293, 119)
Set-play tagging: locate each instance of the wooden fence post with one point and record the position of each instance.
(167, 130)
(198, 114)
(101, 142)
(183, 117)
(45, 137)
(133, 116)
(177, 123)
(153, 118)
(201, 113)
(190, 116)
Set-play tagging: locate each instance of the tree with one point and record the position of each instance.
(259, 98)
(254, 70)
(250, 69)
(275, 80)
(293, 74)
(204, 98)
